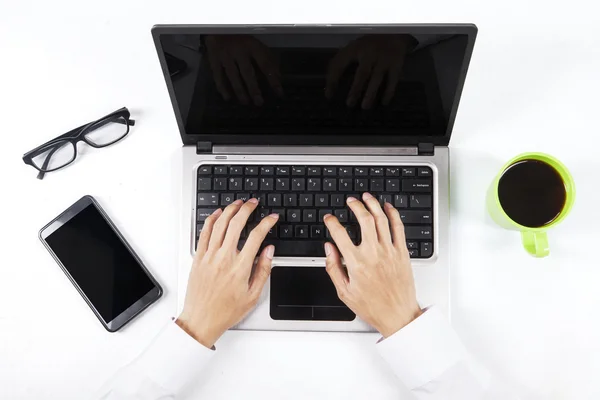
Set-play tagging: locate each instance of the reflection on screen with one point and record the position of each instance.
(315, 83)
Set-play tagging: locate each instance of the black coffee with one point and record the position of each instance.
(532, 193)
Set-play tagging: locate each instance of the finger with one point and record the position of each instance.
(392, 81)
(233, 74)
(397, 226)
(381, 221)
(218, 232)
(218, 76)
(204, 239)
(336, 68)
(257, 236)
(358, 85)
(339, 235)
(262, 270)
(249, 76)
(238, 222)
(268, 66)
(335, 269)
(365, 219)
(373, 87)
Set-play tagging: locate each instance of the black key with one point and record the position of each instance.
(345, 171)
(361, 184)
(376, 171)
(282, 170)
(205, 170)
(261, 197)
(415, 217)
(322, 213)
(418, 232)
(274, 199)
(352, 231)
(242, 196)
(345, 185)
(208, 199)
(227, 199)
(330, 171)
(252, 170)
(342, 215)
(281, 213)
(286, 232)
(220, 183)
(203, 213)
(293, 215)
(408, 172)
(236, 170)
(306, 200)
(412, 245)
(413, 253)
(204, 183)
(392, 185)
(266, 184)
(282, 184)
(220, 170)
(361, 171)
(262, 213)
(321, 200)
(309, 216)
(290, 200)
(198, 230)
(251, 184)
(292, 248)
(330, 184)
(298, 184)
(266, 170)
(426, 249)
(317, 231)
(400, 201)
(424, 171)
(313, 185)
(392, 171)
(377, 185)
(314, 171)
(301, 231)
(416, 185)
(249, 228)
(383, 198)
(420, 201)
(272, 233)
(337, 200)
(298, 170)
(235, 184)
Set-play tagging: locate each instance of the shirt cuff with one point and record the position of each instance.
(174, 358)
(423, 350)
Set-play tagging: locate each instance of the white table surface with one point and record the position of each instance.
(533, 84)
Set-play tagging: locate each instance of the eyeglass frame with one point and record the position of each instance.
(77, 135)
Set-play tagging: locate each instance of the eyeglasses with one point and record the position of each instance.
(62, 150)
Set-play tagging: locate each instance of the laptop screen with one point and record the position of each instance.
(385, 85)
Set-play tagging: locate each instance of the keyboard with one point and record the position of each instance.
(303, 194)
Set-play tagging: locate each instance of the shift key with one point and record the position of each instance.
(416, 185)
(418, 232)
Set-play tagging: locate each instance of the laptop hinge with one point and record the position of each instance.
(426, 149)
(316, 150)
(204, 147)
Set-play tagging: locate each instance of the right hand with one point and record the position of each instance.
(378, 285)
(232, 55)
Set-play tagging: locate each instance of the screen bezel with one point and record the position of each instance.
(317, 139)
(120, 320)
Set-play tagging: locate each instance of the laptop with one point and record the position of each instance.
(302, 117)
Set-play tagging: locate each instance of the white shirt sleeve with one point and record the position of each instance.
(431, 361)
(162, 371)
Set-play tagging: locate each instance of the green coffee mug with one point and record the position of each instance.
(535, 239)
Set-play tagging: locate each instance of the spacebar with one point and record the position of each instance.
(292, 248)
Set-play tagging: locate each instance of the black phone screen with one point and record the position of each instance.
(100, 263)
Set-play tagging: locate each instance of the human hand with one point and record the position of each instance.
(223, 287)
(232, 55)
(377, 56)
(378, 285)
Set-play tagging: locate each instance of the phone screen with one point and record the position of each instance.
(100, 263)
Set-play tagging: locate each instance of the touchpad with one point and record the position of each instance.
(305, 294)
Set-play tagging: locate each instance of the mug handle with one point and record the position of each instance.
(536, 243)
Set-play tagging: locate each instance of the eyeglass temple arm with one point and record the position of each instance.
(46, 162)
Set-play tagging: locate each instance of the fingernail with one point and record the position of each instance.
(367, 196)
(350, 199)
(270, 252)
(253, 200)
(217, 211)
(388, 205)
(274, 215)
(238, 202)
(326, 216)
(328, 249)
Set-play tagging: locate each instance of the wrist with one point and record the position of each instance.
(203, 335)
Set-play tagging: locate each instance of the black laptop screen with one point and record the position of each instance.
(315, 84)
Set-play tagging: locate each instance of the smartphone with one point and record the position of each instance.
(101, 265)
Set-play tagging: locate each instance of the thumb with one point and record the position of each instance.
(333, 266)
(262, 269)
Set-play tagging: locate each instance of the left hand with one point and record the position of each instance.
(377, 56)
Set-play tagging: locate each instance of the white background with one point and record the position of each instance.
(533, 85)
